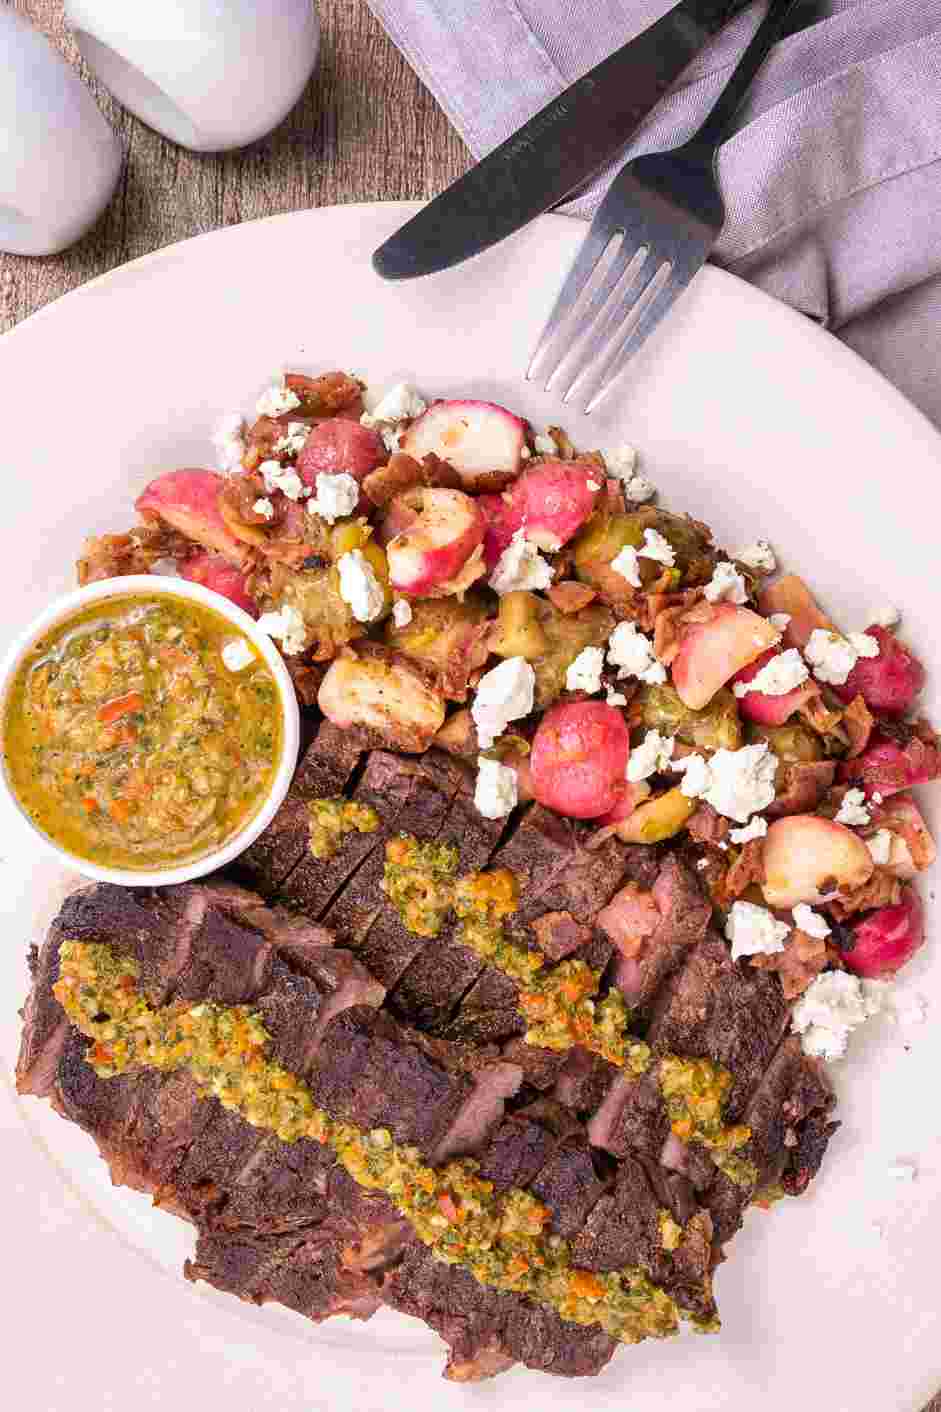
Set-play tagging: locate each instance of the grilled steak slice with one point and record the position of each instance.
(229, 963)
(487, 1330)
(516, 1153)
(568, 1184)
(282, 1188)
(624, 1230)
(541, 1067)
(488, 1013)
(727, 1011)
(583, 1080)
(323, 773)
(631, 1117)
(386, 786)
(685, 912)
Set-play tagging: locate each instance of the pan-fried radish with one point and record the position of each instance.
(762, 707)
(444, 527)
(711, 653)
(888, 683)
(482, 441)
(810, 859)
(189, 501)
(579, 759)
(884, 941)
(340, 445)
(555, 499)
(381, 693)
(222, 576)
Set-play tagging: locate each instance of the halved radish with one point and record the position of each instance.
(555, 499)
(503, 519)
(579, 759)
(888, 683)
(482, 441)
(446, 529)
(215, 571)
(888, 766)
(885, 940)
(810, 859)
(763, 708)
(189, 501)
(791, 595)
(711, 653)
(340, 445)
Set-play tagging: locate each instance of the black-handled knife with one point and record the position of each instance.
(561, 148)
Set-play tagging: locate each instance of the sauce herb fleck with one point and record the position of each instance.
(330, 819)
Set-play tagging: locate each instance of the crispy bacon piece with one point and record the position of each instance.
(706, 825)
(801, 785)
(823, 719)
(748, 868)
(858, 722)
(882, 890)
(328, 395)
(111, 556)
(403, 472)
(570, 597)
(802, 959)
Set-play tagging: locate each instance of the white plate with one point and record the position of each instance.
(747, 416)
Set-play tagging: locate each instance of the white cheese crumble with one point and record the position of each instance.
(277, 478)
(758, 556)
(593, 484)
(639, 489)
(622, 461)
(888, 616)
(737, 783)
(294, 439)
(779, 676)
(228, 441)
(903, 1171)
(401, 613)
(584, 674)
(852, 811)
(754, 931)
(808, 921)
(756, 829)
(496, 793)
(651, 756)
(625, 563)
(264, 507)
(544, 445)
(833, 1005)
(359, 586)
(779, 620)
(876, 797)
(399, 405)
(655, 546)
(727, 585)
(833, 657)
(276, 400)
(337, 496)
(237, 654)
(880, 846)
(633, 653)
(504, 694)
(615, 698)
(520, 566)
(287, 626)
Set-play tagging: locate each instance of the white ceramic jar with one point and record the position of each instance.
(209, 74)
(59, 159)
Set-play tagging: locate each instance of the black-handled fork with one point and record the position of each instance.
(653, 231)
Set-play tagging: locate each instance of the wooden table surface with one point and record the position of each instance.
(365, 130)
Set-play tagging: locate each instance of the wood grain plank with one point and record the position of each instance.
(366, 129)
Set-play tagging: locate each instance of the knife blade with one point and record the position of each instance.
(559, 149)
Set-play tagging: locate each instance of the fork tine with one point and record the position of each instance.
(588, 263)
(603, 340)
(600, 309)
(670, 287)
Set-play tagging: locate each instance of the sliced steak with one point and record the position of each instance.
(583, 1080)
(569, 1185)
(631, 1118)
(228, 963)
(541, 1067)
(323, 773)
(516, 1153)
(488, 1013)
(684, 913)
(727, 1011)
(282, 1188)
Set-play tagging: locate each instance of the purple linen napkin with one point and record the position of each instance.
(832, 179)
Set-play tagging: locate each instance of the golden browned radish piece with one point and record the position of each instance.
(383, 694)
(791, 595)
(711, 653)
(809, 859)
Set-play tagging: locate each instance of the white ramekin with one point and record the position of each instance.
(150, 584)
(209, 74)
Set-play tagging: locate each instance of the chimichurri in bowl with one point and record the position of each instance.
(149, 729)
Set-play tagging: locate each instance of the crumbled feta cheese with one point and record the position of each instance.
(655, 546)
(833, 1005)
(779, 620)
(359, 586)
(520, 566)
(294, 440)
(229, 443)
(337, 496)
(726, 585)
(777, 677)
(584, 674)
(287, 625)
(808, 921)
(754, 931)
(276, 400)
(496, 794)
(277, 478)
(876, 797)
(593, 484)
(525, 453)
(651, 756)
(737, 783)
(237, 654)
(852, 811)
(401, 613)
(758, 556)
(880, 846)
(504, 694)
(833, 657)
(401, 403)
(696, 775)
(903, 1171)
(756, 829)
(264, 507)
(544, 445)
(888, 616)
(616, 698)
(622, 461)
(639, 489)
(625, 563)
(702, 864)
(633, 653)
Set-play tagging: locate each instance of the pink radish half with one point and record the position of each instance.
(447, 528)
(189, 501)
(483, 442)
